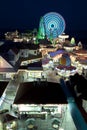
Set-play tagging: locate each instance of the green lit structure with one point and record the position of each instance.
(41, 31)
(51, 26)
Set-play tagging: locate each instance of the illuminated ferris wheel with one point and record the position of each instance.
(54, 24)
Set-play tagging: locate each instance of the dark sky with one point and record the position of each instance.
(25, 14)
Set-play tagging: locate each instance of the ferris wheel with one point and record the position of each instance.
(54, 24)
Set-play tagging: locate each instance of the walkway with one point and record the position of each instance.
(75, 113)
(9, 94)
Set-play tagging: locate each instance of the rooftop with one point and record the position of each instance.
(40, 93)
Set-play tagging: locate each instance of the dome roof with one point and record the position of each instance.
(65, 60)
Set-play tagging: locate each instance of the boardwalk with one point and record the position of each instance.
(74, 110)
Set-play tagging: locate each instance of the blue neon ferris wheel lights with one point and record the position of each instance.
(54, 24)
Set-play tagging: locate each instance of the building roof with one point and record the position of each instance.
(45, 42)
(31, 46)
(81, 52)
(40, 93)
(15, 50)
(6, 65)
(52, 54)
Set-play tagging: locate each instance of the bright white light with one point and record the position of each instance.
(61, 129)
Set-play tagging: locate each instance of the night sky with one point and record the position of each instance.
(25, 14)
